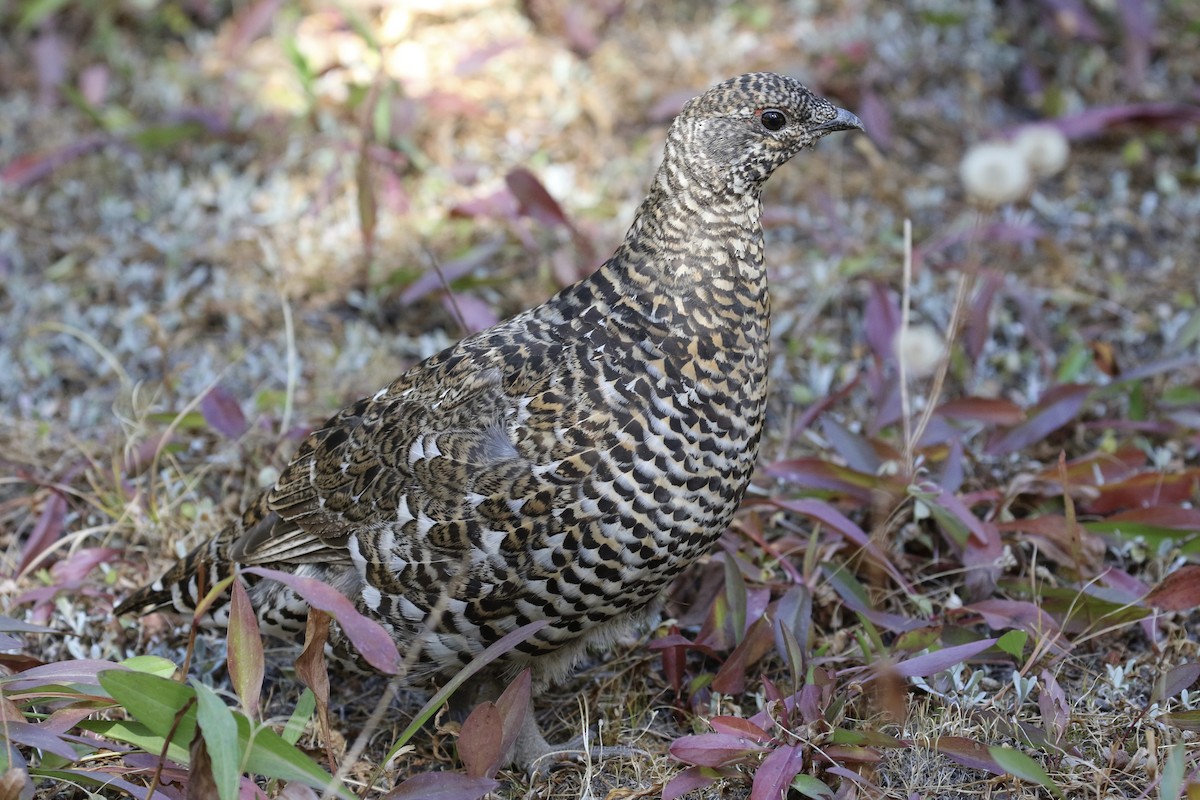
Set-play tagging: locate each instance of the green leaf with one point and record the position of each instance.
(245, 650)
(300, 717)
(151, 665)
(1013, 643)
(152, 701)
(138, 735)
(272, 757)
(735, 590)
(38, 12)
(1019, 765)
(220, 737)
(1170, 786)
(809, 786)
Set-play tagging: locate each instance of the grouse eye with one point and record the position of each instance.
(773, 119)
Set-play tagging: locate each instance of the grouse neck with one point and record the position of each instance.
(686, 236)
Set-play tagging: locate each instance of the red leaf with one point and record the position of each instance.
(514, 707)
(1179, 591)
(990, 410)
(533, 199)
(938, 660)
(223, 413)
(24, 171)
(714, 749)
(368, 637)
(480, 742)
(774, 775)
(968, 753)
(690, 780)
(736, 726)
(1057, 408)
(46, 530)
(1145, 491)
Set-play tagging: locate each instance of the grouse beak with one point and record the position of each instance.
(844, 121)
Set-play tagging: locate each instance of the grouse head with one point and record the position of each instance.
(732, 137)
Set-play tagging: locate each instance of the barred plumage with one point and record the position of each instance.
(569, 462)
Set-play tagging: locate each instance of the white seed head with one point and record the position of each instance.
(1044, 147)
(920, 348)
(995, 173)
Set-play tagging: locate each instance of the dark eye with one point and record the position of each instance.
(773, 119)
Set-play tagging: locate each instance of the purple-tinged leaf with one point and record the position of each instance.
(499, 204)
(24, 171)
(46, 530)
(857, 451)
(1094, 121)
(827, 514)
(109, 780)
(430, 281)
(855, 598)
(368, 637)
(1057, 408)
(83, 671)
(876, 119)
(736, 726)
(473, 313)
(882, 320)
(968, 753)
(774, 775)
(1176, 680)
(297, 791)
(816, 473)
(534, 201)
(223, 413)
(474, 60)
(1021, 615)
(442, 786)
(929, 663)
(32, 735)
(11, 625)
(69, 572)
(1052, 703)
(988, 410)
(714, 749)
(978, 328)
(953, 471)
(244, 651)
(690, 780)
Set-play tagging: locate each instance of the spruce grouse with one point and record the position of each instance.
(567, 463)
